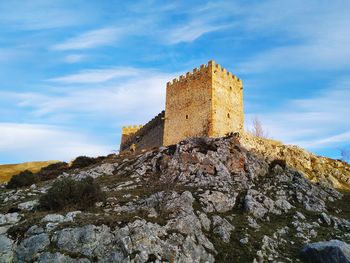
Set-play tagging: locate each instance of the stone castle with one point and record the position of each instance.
(205, 102)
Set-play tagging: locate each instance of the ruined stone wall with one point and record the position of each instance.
(227, 102)
(129, 131)
(188, 106)
(148, 136)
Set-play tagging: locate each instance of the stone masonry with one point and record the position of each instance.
(205, 102)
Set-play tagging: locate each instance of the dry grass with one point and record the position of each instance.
(9, 170)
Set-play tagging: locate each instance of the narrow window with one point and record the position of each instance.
(186, 117)
(230, 88)
(228, 115)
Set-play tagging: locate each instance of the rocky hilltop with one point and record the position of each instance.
(203, 200)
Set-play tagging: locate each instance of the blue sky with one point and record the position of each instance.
(72, 73)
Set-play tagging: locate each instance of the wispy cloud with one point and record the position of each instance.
(38, 15)
(91, 39)
(97, 75)
(31, 142)
(310, 35)
(74, 58)
(191, 32)
(102, 96)
(316, 122)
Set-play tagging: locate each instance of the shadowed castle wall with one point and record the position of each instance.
(227, 102)
(146, 137)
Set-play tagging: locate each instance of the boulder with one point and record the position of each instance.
(326, 252)
(29, 248)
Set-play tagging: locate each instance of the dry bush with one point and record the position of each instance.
(67, 192)
(24, 178)
(258, 129)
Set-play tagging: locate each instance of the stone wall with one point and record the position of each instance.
(129, 131)
(188, 106)
(148, 136)
(227, 102)
(205, 102)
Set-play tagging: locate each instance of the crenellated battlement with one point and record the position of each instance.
(137, 132)
(203, 71)
(127, 130)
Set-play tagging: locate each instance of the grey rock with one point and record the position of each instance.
(300, 215)
(10, 218)
(29, 248)
(258, 204)
(34, 230)
(283, 204)
(244, 240)
(6, 249)
(326, 219)
(54, 218)
(223, 228)
(3, 229)
(29, 205)
(88, 240)
(252, 222)
(57, 257)
(205, 221)
(326, 252)
(217, 201)
(70, 216)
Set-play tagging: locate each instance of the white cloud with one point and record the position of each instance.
(90, 39)
(316, 122)
(74, 58)
(32, 142)
(191, 31)
(100, 95)
(39, 15)
(309, 35)
(97, 75)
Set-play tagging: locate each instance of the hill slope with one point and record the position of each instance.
(202, 200)
(9, 170)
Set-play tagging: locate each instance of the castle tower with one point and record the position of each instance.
(205, 102)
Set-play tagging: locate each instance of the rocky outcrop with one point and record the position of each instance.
(316, 168)
(202, 200)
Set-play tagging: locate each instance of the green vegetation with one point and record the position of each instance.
(67, 192)
(84, 161)
(24, 178)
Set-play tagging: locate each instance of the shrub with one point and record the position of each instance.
(83, 161)
(52, 171)
(67, 192)
(24, 178)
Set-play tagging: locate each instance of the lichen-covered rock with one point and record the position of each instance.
(88, 240)
(29, 248)
(10, 218)
(29, 205)
(48, 257)
(6, 249)
(223, 228)
(217, 201)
